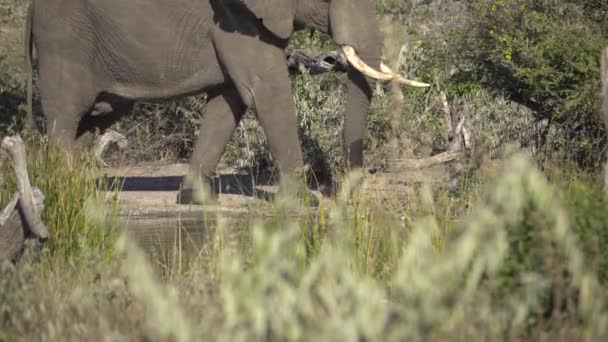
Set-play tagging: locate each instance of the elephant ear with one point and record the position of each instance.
(277, 15)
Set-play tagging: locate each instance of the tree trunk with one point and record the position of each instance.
(604, 107)
(21, 219)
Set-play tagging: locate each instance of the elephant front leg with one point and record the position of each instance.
(357, 107)
(258, 70)
(269, 94)
(223, 113)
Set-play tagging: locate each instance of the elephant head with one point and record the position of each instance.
(354, 27)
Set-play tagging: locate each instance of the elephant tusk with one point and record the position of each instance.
(360, 65)
(385, 73)
(385, 68)
(401, 80)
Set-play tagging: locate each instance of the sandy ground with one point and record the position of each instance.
(152, 188)
(148, 210)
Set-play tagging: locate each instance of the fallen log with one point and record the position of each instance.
(604, 110)
(325, 62)
(21, 219)
(458, 136)
(104, 141)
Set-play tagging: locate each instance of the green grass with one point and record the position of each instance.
(516, 254)
(77, 209)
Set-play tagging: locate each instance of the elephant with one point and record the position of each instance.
(96, 58)
(21, 218)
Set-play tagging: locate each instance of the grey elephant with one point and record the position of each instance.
(96, 58)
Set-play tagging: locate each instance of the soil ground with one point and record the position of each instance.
(151, 188)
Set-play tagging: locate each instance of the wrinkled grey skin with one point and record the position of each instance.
(96, 58)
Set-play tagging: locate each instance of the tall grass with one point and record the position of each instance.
(514, 253)
(77, 207)
(514, 267)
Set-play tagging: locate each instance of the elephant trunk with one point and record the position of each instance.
(353, 23)
(355, 29)
(360, 89)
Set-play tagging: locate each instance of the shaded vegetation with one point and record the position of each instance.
(73, 198)
(515, 264)
(516, 251)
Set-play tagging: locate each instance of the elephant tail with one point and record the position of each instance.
(29, 49)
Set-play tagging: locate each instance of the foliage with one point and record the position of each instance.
(587, 205)
(510, 269)
(161, 131)
(546, 55)
(11, 100)
(12, 10)
(72, 197)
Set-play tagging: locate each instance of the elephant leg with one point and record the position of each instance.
(259, 72)
(67, 93)
(359, 93)
(276, 112)
(222, 115)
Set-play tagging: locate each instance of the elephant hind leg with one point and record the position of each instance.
(222, 115)
(67, 92)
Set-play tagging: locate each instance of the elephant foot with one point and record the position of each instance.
(299, 192)
(191, 196)
(197, 195)
(308, 199)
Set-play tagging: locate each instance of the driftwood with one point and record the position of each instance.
(458, 135)
(423, 163)
(604, 107)
(325, 62)
(21, 218)
(109, 137)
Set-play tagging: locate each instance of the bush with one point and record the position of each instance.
(545, 54)
(12, 11)
(12, 98)
(161, 131)
(77, 212)
(512, 268)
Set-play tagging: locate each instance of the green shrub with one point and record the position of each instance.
(12, 11)
(12, 98)
(587, 204)
(545, 54)
(161, 131)
(513, 267)
(77, 212)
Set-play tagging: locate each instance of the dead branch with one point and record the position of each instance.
(325, 62)
(423, 163)
(21, 218)
(604, 106)
(457, 130)
(109, 137)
